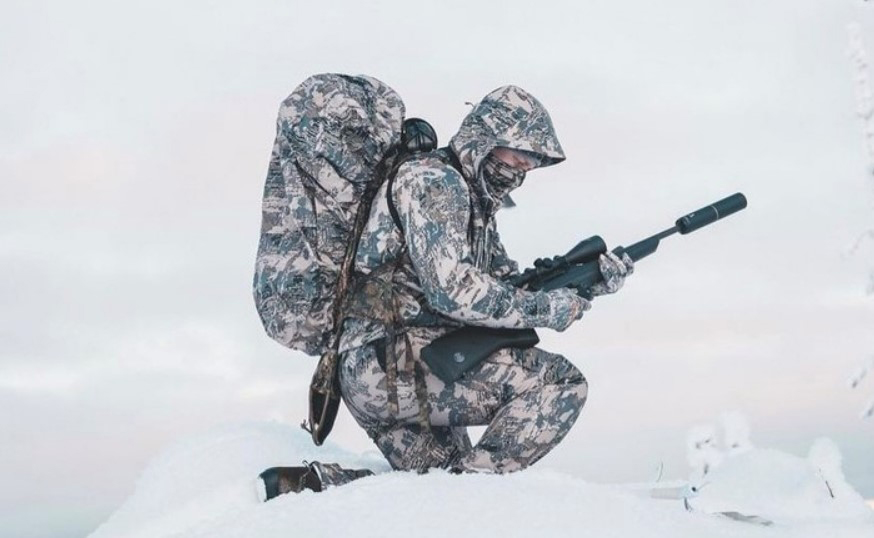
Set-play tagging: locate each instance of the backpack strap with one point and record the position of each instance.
(445, 153)
(453, 159)
(391, 203)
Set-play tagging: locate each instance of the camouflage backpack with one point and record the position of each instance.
(337, 139)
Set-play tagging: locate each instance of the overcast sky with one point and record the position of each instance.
(134, 141)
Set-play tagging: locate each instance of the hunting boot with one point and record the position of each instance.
(314, 476)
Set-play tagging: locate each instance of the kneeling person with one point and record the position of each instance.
(430, 260)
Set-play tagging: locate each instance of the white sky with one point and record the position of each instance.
(133, 146)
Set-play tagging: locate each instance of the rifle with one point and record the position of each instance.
(454, 353)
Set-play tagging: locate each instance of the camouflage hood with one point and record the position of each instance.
(507, 117)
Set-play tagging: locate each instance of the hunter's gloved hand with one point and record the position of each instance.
(566, 307)
(614, 270)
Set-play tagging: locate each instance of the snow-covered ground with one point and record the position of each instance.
(203, 487)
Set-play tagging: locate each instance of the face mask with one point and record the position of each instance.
(501, 175)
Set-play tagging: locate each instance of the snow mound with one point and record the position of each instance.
(204, 487)
(779, 487)
(210, 477)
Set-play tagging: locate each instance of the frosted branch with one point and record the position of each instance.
(869, 410)
(864, 94)
(866, 235)
(861, 373)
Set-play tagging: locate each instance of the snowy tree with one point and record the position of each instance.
(701, 451)
(865, 112)
(864, 95)
(825, 455)
(705, 454)
(856, 381)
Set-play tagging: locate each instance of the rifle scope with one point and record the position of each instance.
(585, 251)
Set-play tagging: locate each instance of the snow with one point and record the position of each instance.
(204, 487)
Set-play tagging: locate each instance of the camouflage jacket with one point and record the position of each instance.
(445, 266)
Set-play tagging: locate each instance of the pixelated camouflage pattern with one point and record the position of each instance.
(614, 270)
(528, 399)
(331, 133)
(448, 262)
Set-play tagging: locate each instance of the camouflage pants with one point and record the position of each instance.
(528, 399)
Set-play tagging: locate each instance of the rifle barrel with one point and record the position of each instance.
(584, 275)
